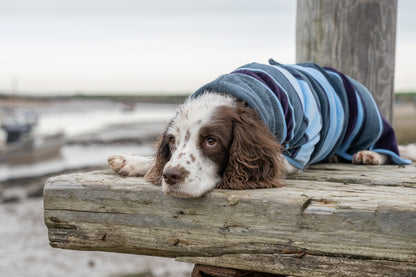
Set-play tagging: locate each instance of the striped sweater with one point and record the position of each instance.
(314, 112)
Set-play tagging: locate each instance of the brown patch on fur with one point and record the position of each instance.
(255, 159)
(220, 129)
(187, 136)
(162, 156)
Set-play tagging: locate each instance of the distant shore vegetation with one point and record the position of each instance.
(125, 97)
(150, 97)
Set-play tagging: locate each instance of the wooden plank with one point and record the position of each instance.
(301, 264)
(403, 176)
(357, 38)
(340, 219)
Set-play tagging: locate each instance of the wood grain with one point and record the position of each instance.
(357, 38)
(351, 216)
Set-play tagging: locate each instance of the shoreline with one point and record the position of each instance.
(157, 98)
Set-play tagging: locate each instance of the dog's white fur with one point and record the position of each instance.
(201, 172)
(188, 121)
(185, 127)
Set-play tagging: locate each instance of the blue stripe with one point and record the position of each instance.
(274, 96)
(295, 86)
(336, 112)
(314, 119)
(294, 162)
(394, 157)
(288, 99)
(370, 100)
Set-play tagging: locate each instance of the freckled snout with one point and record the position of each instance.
(174, 175)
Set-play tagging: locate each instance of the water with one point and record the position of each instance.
(73, 157)
(80, 117)
(94, 130)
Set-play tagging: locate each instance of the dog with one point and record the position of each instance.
(250, 128)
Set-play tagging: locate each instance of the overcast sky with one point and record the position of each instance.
(108, 46)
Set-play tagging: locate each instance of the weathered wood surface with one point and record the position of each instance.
(356, 37)
(329, 220)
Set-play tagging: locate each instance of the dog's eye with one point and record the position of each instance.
(172, 141)
(210, 142)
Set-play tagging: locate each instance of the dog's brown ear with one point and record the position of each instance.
(255, 159)
(162, 156)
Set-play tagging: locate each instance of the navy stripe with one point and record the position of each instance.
(352, 103)
(270, 83)
(293, 97)
(387, 139)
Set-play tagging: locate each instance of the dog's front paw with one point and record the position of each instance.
(368, 158)
(122, 165)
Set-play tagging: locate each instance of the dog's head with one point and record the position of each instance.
(215, 141)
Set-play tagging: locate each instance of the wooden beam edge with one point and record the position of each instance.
(300, 263)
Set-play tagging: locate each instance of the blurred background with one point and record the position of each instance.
(82, 80)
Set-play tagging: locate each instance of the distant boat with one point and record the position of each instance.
(32, 149)
(21, 146)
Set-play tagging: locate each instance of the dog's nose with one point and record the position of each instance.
(173, 175)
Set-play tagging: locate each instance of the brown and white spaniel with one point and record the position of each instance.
(213, 141)
(216, 141)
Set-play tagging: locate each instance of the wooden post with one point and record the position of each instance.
(356, 37)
